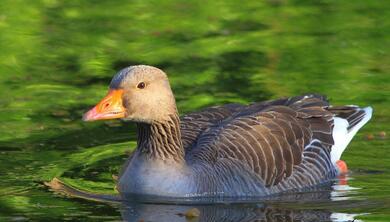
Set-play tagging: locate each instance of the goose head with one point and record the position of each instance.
(137, 93)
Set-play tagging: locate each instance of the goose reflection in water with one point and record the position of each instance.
(221, 213)
(316, 204)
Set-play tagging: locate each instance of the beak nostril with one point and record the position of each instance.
(106, 105)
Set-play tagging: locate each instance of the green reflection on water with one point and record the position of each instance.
(57, 58)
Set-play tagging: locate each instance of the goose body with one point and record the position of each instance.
(232, 150)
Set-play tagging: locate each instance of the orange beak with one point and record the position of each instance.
(109, 108)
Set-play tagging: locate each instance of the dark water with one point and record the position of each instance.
(57, 58)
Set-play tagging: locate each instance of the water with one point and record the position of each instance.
(57, 59)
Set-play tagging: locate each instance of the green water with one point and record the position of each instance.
(57, 59)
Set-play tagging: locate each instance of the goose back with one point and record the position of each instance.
(277, 140)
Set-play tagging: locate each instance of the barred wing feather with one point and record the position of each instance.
(269, 138)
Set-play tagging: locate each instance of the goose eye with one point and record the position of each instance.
(141, 85)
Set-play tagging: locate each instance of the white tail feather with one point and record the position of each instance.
(342, 136)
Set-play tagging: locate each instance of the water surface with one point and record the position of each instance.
(57, 59)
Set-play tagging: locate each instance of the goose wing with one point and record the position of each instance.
(270, 137)
(194, 124)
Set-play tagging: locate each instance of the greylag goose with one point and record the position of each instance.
(231, 150)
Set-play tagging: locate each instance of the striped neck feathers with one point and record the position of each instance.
(161, 140)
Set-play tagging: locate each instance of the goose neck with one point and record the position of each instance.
(161, 140)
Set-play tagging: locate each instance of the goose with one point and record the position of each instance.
(231, 150)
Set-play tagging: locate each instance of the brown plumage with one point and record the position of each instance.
(268, 137)
(229, 150)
